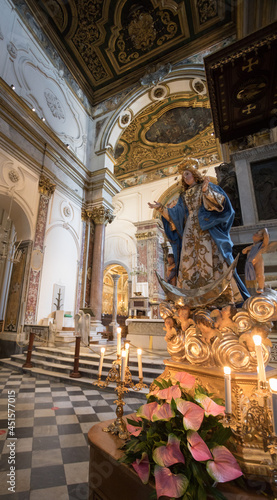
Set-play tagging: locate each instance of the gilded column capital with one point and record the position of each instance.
(45, 186)
(100, 215)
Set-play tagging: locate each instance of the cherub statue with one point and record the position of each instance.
(254, 266)
(206, 325)
(170, 327)
(224, 319)
(183, 316)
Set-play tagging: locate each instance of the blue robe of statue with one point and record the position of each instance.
(217, 223)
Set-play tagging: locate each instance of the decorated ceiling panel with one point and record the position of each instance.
(108, 44)
(154, 143)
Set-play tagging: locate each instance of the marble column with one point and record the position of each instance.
(46, 189)
(114, 324)
(82, 269)
(100, 215)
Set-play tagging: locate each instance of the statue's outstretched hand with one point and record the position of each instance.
(155, 204)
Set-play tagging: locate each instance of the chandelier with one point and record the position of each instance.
(9, 247)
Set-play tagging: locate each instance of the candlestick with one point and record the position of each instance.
(101, 361)
(228, 389)
(123, 365)
(139, 363)
(273, 387)
(260, 361)
(118, 341)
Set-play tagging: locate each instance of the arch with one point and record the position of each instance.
(141, 99)
(19, 216)
(68, 228)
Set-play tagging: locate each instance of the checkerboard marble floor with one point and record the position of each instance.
(51, 425)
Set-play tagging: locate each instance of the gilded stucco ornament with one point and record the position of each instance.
(221, 337)
(46, 187)
(100, 215)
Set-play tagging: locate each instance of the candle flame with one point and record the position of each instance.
(257, 339)
(227, 370)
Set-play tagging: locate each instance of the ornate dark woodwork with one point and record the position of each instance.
(242, 81)
(227, 179)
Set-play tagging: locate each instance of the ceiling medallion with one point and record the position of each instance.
(13, 176)
(141, 30)
(198, 86)
(125, 118)
(159, 92)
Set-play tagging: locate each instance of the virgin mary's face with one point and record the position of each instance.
(188, 178)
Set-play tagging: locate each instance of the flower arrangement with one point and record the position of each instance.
(177, 439)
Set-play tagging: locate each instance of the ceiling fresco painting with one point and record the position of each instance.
(160, 136)
(109, 44)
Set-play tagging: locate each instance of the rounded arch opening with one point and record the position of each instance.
(108, 291)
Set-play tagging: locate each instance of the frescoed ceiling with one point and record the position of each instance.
(159, 138)
(108, 44)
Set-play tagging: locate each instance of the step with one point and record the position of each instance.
(57, 376)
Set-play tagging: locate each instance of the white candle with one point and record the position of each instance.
(118, 341)
(273, 387)
(123, 365)
(139, 363)
(101, 361)
(127, 348)
(228, 389)
(260, 361)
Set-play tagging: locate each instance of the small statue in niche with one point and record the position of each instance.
(171, 272)
(254, 266)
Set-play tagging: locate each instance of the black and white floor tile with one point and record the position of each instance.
(51, 425)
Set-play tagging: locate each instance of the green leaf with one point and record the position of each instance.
(218, 495)
(201, 493)
(156, 382)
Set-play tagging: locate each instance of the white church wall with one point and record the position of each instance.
(61, 255)
(24, 65)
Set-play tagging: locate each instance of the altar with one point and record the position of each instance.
(146, 333)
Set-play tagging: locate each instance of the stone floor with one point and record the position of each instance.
(52, 420)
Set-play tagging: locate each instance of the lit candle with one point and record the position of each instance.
(260, 361)
(123, 365)
(273, 387)
(139, 363)
(118, 341)
(228, 389)
(127, 348)
(101, 361)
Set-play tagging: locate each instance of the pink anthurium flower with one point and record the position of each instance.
(146, 411)
(198, 447)
(210, 407)
(154, 392)
(171, 392)
(169, 484)
(132, 429)
(193, 414)
(224, 467)
(186, 380)
(163, 412)
(142, 467)
(169, 454)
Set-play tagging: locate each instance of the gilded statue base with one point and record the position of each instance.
(249, 445)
